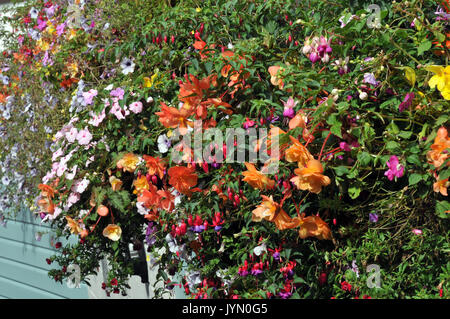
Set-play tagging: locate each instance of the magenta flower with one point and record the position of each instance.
(407, 101)
(395, 169)
(289, 108)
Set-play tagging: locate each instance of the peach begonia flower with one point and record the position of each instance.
(116, 183)
(314, 226)
(172, 117)
(167, 200)
(257, 179)
(297, 153)
(74, 226)
(310, 177)
(113, 232)
(271, 211)
(274, 79)
(46, 190)
(150, 198)
(440, 186)
(436, 156)
(154, 165)
(140, 184)
(183, 178)
(128, 162)
(46, 205)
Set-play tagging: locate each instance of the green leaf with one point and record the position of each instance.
(423, 47)
(354, 192)
(364, 158)
(414, 179)
(442, 209)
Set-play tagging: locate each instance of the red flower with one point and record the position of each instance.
(48, 260)
(103, 286)
(58, 245)
(114, 282)
(346, 286)
(322, 278)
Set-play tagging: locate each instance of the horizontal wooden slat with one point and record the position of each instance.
(17, 290)
(27, 217)
(26, 254)
(26, 233)
(37, 278)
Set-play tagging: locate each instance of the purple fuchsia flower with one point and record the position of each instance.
(373, 217)
(150, 237)
(395, 169)
(407, 102)
(285, 294)
(441, 14)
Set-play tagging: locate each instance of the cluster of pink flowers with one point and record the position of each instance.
(317, 49)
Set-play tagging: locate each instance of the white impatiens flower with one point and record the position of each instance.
(163, 143)
(127, 66)
(79, 186)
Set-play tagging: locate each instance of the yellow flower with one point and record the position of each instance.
(441, 79)
(310, 177)
(113, 232)
(198, 9)
(73, 225)
(116, 183)
(150, 82)
(128, 162)
(140, 184)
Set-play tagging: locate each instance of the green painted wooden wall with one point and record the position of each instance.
(23, 269)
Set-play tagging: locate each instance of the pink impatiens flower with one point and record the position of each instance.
(395, 169)
(136, 107)
(84, 137)
(119, 92)
(89, 96)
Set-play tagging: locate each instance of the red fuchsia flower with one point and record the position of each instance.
(395, 169)
(58, 245)
(248, 123)
(367, 297)
(276, 253)
(257, 269)
(114, 282)
(198, 225)
(286, 292)
(217, 221)
(322, 278)
(346, 286)
(243, 270)
(288, 271)
(407, 102)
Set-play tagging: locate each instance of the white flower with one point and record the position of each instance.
(141, 209)
(363, 96)
(70, 176)
(127, 66)
(163, 143)
(72, 135)
(34, 13)
(109, 87)
(5, 180)
(258, 250)
(79, 186)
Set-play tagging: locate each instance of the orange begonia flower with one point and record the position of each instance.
(155, 166)
(172, 117)
(113, 232)
(167, 200)
(314, 226)
(257, 179)
(310, 177)
(116, 183)
(149, 197)
(441, 143)
(271, 211)
(46, 205)
(128, 162)
(440, 186)
(298, 153)
(183, 178)
(274, 79)
(140, 184)
(46, 190)
(74, 226)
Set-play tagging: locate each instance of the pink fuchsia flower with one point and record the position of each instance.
(407, 101)
(417, 232)
(89, 96)
(136, 107)
(119, 92)
(84, 137)
(289, 108)
(395, 169)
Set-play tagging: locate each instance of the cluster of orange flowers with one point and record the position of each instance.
(437, 156)
(308, 177)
